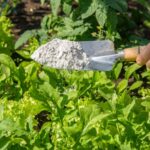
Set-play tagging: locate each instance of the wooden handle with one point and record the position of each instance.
(130, 54)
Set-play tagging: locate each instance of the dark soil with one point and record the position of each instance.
(41, 118)
(27, 15)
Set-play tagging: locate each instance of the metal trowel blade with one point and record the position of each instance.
(104, 63)
(100, 53)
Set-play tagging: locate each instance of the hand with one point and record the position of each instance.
(144, 57)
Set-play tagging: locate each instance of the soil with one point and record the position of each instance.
(27, 15)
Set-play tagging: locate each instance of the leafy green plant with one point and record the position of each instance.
(6, 37)
(86, 110)
(45, 108)
(86, 20)
(79, 21)
(6, 7)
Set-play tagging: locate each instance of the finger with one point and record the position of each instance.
(140, 60)
(144, 55)
(148, 64)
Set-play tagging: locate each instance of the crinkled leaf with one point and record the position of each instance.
(4, 72)
(7, 61)
(90, 115)
(2, 77)
(6, 37)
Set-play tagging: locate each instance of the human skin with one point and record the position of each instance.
(144, 57)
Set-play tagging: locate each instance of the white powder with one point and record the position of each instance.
(61, 54)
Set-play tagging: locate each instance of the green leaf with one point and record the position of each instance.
(73, 29)
(146, 74)
(112, 20)
(146, 104)
(42, 2)
(6, 37)
(24, 38)
(101, 14)
(24, 53)
(67, 8)
(93, 121)
(90, 115)
(117, 70)
(2, 77)
(136, 85)
(4, 72)
(128, 108)
(4, 143)
(43, 91)
(119, 5)
(7, 61)
(55, 4)
(131, 70)
(89, 8)
(122, 85)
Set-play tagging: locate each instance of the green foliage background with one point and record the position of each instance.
(45, 108)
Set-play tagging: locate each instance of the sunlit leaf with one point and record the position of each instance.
(122, 85)
(6, 60)
(117, 70)
(131, 70)
(128, 108)
(136, 85)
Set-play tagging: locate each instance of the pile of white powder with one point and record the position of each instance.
(61, 54)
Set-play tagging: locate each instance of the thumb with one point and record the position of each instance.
(148, 64)
(144, 55)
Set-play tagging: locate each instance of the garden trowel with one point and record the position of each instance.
(102, 55)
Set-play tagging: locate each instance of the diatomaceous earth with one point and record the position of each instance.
(62, 54)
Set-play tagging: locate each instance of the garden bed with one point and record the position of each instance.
(48, 108)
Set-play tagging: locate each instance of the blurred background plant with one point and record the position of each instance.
(124, 22)
(8, 6)
(6, 36)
